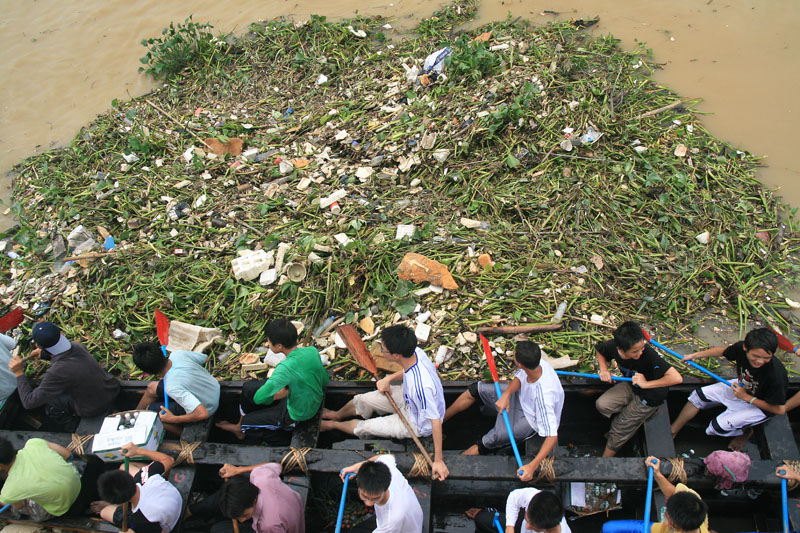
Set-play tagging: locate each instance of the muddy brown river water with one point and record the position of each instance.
(63, 61)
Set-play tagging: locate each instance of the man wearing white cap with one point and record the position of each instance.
(74, 386)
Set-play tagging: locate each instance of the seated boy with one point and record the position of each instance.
(527, 509)
(421, 399)
(193, 392)
(39, 482)
(293, 394)
(759, 393)
(534, 400)
(632, 403)
(380, 484)
(155, 505)
(255, 497)
(685, 512)
(74, 386)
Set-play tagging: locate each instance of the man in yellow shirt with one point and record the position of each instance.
(685, 513)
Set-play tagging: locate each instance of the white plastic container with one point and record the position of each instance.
(272, 358)
(144, 429)
(249, 266)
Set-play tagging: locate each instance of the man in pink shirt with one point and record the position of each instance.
(261, 503)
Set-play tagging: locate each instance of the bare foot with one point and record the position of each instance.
(98, 506)
(472, 513)
(236, 429)
(329, 414)
(737, 444)
(326, 425)
(472, 450)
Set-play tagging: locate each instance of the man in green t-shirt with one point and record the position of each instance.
(293, 394)
(40, 483)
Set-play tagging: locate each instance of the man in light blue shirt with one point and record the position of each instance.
(8, 382)
(192, 391)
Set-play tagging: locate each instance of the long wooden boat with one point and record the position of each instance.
(312, 460)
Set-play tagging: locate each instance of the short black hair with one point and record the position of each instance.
(281, 331)
(528, 354)
(236, 496)
(116, 487)
(149, 357)
(399, 339)
(761, 338)
(374, 477)
(686, 511)
(544, 511)
(7, 452)
(628, 334)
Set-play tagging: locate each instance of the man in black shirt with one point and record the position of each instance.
(760, 391)
(651, 375)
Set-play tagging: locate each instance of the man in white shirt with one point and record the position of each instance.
(533, 399)
(421, 399)
(527, 509)
(380, 484)
(155, 504)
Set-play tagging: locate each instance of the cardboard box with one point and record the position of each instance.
(145, 431)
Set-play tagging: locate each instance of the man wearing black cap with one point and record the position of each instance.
(74, 386)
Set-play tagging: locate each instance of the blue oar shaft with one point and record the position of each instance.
(497, 522)
(691, 363)
(649, 500)
(341, 503)
(6, 506)
(164, 379)
(508, 428)
(785, 506)
(592, 376)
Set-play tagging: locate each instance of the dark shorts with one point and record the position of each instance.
(263, 417)
(174, 406)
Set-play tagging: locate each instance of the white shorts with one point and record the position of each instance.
(737, 415)
(389, 426)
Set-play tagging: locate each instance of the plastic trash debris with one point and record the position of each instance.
(434, 63)
(334, 197)
(422, 331)
(357, 33)
(179, 210)
(323, 79)
(249, 266)
(405, 230)
(130, 158)
(418, 268)
(562, 307)
(441, 155)
(362, 173)
(590, 136)
(443, 354)
(474, 224)
(485, 261)
(703, 238)
(272, 359)
(109, 244)
(268, 277)
(280, 255)
(680, 150)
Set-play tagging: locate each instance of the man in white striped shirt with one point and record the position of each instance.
(534, 400)
(421, 399)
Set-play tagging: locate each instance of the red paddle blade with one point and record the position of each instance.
(162, 327)
(783, 343)
(357, 348)
(647, 336)
(487, 350)
(11, 320)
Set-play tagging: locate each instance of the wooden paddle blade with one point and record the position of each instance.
(11, 320)
(487, 350)
(162, 327)
(783, 343)
(357, 348)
